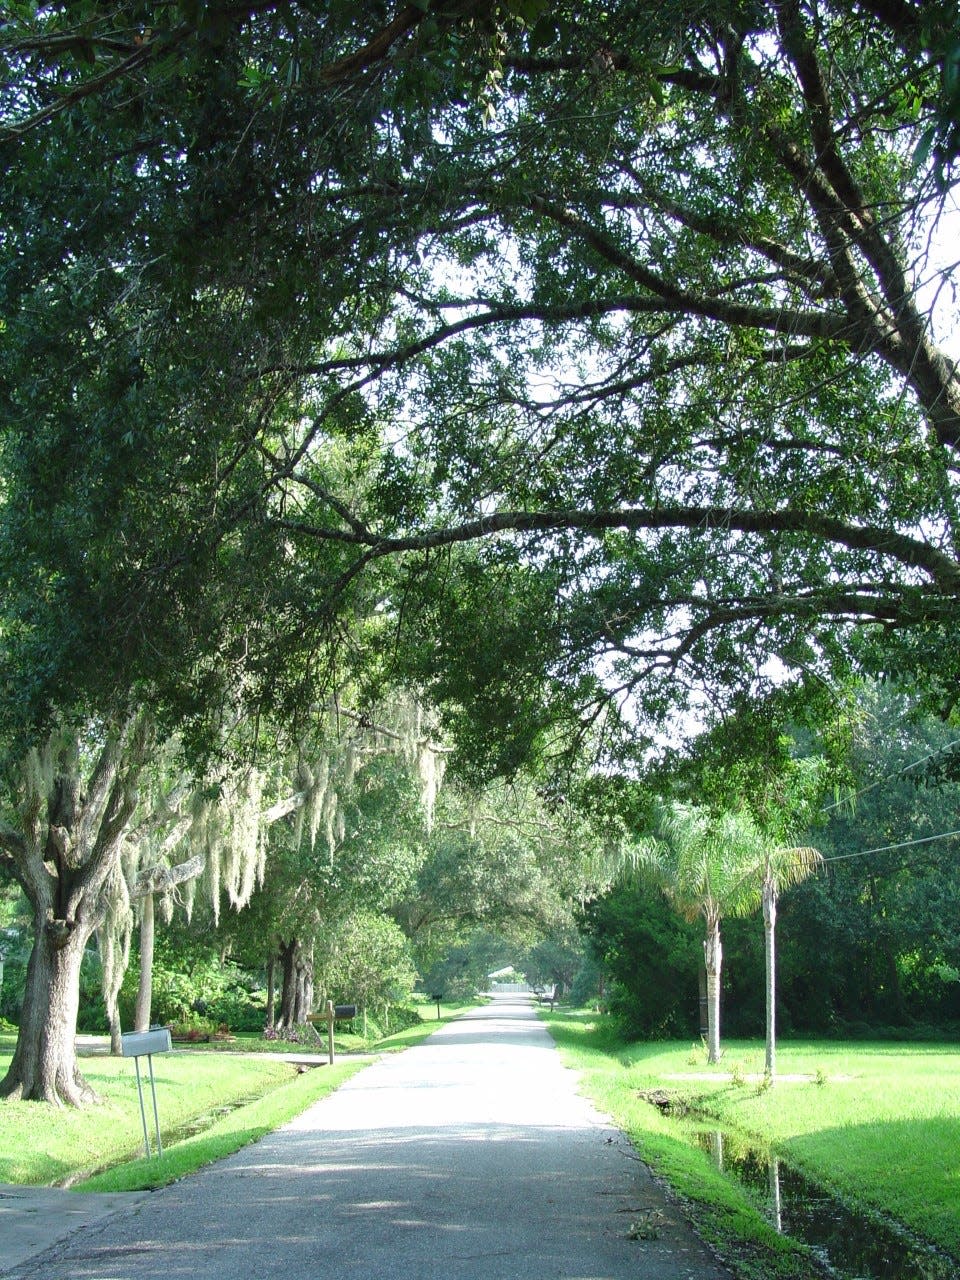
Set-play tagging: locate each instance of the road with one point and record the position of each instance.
(468, 1157)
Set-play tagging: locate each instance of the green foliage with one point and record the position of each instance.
(364, 959)
(557, 961)
(531, 365)
(652, 958)
(14, 980)
(706, 864)
(194, 986)
(461, 973)
(869, 943)
(273, 355)
(92, 1016)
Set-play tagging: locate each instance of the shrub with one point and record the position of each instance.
(401, 1016)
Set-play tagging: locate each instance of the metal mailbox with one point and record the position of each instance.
(144, 1044)
(344, 1010)
(139, 1044)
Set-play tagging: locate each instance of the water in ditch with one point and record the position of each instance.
(855, 1246)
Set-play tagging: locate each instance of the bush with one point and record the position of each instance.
(239, 1009)
(14, 981)
(195, 982)
(401, 1016)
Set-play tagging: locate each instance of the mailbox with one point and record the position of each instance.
(144, 1044)
(137, 1044)
(331, 1013)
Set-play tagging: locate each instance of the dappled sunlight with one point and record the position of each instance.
(470, 1154)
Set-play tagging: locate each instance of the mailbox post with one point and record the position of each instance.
(330, 1014)
(144, 1044)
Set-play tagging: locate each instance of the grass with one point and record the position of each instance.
(225, 1135)
(878, 1122)
(231, 1093)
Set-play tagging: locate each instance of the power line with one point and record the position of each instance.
(887, 776)
(887, 848)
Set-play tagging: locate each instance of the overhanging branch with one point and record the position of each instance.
(906, 550)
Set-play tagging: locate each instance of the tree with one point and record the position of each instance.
(74, 803)
(500, 860)
(703, 863)
(629, 364)
(651, 957)
(780, 867)
(687, 393)
(668, 408)
(71, 52)
(366, 960)
(889, 899)
(776, 794)
(346, 840)
(555, 961)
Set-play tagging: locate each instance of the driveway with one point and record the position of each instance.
(470, 1155)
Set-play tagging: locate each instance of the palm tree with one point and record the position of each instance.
(779, 868)
(706, 865)
(717, 865)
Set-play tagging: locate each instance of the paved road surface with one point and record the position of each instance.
(468, 1157)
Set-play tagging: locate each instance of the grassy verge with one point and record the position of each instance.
(880, 1123)
(44, 1145)
(229, 1094)
(226, 1135)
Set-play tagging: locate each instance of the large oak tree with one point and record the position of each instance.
(647, 323)
(587, 349)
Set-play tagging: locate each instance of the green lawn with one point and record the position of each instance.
(878, 1122)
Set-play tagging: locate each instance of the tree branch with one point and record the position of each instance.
(908, 551)
(160, 879)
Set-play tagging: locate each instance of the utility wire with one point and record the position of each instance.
(886, 777)
(887, 848)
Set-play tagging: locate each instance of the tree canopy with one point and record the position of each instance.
(592, 348)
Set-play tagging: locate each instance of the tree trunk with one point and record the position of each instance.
(712, 957)
(113, 1023)
(44, 1066)
(271, 991)
(288, 957)
(296, 998)
(770, 957)
(141, 1017)
(113, 972)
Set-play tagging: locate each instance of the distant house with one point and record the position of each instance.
(507, 980)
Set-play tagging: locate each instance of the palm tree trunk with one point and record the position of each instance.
(770, 956)
(712, 958)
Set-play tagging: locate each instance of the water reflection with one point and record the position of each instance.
(776, 1206)
(856, 1246)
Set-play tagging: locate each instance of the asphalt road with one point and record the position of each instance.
(469, 1156)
